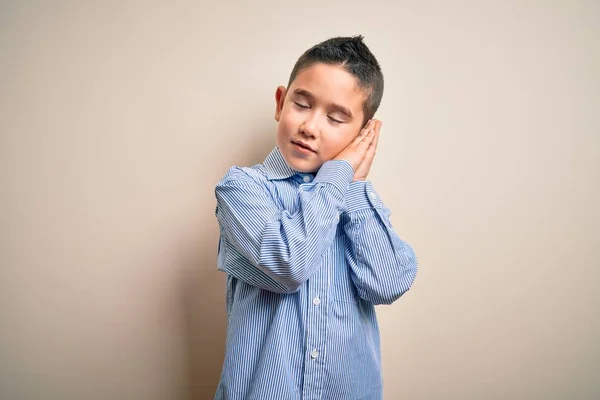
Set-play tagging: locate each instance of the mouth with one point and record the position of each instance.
(303, 146)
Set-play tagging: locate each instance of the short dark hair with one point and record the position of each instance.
(352, 54)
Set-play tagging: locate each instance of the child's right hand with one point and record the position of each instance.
(355, 152)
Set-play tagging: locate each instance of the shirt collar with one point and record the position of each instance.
(276, 166)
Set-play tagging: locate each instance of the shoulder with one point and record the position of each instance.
(244, 176)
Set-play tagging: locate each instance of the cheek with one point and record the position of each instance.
(285, 127)
(334, 144)
(282, 136)
(289, 121)
(290, 116)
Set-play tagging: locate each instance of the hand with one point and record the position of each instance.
(356, 151)
(361, 173)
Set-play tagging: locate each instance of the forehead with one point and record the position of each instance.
(330, 84)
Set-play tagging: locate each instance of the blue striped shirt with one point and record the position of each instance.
(307, 258)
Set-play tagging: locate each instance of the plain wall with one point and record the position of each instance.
(117, 119)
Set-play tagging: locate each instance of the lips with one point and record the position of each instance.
(304, 145)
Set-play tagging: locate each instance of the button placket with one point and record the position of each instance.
(317, 332)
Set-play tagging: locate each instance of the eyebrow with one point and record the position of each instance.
(337, 107)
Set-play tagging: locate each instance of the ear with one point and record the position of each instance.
(279, 100)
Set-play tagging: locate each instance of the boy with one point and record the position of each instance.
(306, 242)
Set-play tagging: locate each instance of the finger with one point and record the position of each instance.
(364, 131)
(376, 135)
(368, 160)
(370, 153)
(366, 140)
(376, 138)
(373, 146)
(370, 125)
(378, 125)
(362, 137)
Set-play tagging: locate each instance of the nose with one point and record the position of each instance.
(310, 126)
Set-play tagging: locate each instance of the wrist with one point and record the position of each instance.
(336, 172)
(361, 195)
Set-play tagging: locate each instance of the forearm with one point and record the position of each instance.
(284, 247)
(383, 266)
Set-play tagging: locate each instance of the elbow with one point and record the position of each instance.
(288, 286)
(287, 280)
(278, 284)
(293, 282)
(396, 285)
(387, 297)
(283, 289)
(408, 272)
(390, 296)
(289, 272)
(291, 288)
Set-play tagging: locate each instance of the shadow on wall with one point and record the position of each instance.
(203, 286)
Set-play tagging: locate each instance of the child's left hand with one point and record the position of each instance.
(363, 170)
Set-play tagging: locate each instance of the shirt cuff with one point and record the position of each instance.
(339, 173)
(360, 196)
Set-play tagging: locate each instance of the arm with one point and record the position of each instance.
(273, 249)
(382, 266)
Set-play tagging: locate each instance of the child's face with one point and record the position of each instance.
(322, 109)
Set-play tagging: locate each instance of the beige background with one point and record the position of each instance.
(117, 119)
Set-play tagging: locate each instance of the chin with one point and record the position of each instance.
(303, 166)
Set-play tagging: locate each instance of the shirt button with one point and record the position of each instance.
(316, 301)
(314, 354)
(306, 178)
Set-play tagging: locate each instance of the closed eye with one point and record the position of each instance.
(335, 121)
(301, 105)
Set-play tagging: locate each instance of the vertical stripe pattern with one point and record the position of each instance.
(307, 258)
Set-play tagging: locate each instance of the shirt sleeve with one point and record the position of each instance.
(271, 248)
(382, 266)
